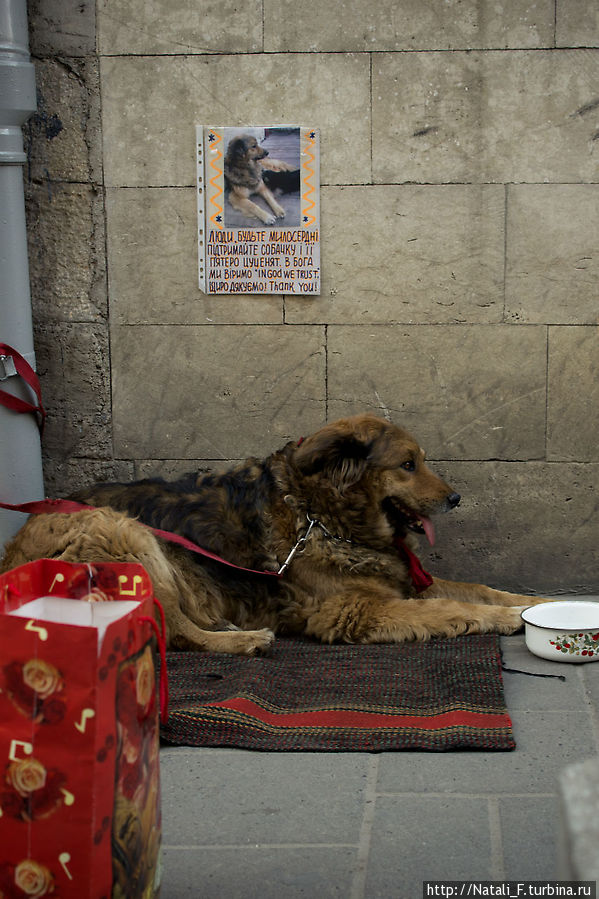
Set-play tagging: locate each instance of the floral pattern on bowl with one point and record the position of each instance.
(577, 644)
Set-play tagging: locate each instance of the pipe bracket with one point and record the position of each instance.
(8, 368)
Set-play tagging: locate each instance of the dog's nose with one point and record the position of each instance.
(453, 500)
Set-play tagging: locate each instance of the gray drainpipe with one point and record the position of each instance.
(20, 451)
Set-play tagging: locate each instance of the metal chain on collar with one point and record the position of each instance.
(299, 545)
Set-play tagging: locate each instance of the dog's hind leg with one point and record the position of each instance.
(103, 535)
(169, 589)
(173, 591)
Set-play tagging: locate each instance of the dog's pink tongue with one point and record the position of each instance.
(429, 530)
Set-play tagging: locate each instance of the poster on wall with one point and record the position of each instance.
(258, 192)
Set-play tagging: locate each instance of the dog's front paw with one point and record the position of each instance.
(236, 641)
(511, 622)
(256, 641)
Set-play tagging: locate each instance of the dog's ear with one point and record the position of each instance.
(237, 148)
(338, 453)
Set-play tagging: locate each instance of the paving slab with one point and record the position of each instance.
(528, 835)
(237, 797)
(411, 842)
(534, 683)
(546, 741)
(258, 872)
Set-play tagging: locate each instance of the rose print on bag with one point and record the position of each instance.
(27, 880)
(30, 791)
(145, 681)
(35, 688)
(45, 679)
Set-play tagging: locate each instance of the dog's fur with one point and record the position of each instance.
(245, 161)
(283, 182)
(364, 479)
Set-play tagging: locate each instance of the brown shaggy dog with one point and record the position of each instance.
(364, 482)
(245, 161)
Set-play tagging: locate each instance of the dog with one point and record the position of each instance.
(336, 513)
(287, 182)
(245, 161)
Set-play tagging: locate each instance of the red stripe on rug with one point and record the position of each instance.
(349, 718)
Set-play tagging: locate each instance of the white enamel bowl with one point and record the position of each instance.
(565, 631)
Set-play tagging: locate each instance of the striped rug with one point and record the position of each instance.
(305, 696)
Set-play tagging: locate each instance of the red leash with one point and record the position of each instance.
(420, 578)
(41, 506)
(24, 369)
(68, 506)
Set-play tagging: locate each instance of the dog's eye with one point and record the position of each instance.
(409, 466)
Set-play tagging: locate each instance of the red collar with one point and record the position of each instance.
(421, 579)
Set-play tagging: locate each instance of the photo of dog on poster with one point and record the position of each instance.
(262, 177)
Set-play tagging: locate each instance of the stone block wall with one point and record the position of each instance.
(460, 226)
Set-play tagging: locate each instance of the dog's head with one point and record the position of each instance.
(245, 148)
(378, 470)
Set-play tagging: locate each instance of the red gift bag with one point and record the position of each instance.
(79, 733)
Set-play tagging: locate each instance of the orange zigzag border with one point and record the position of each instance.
(216, 187)
(307, 203)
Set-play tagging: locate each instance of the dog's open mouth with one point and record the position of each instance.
(404, 520)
